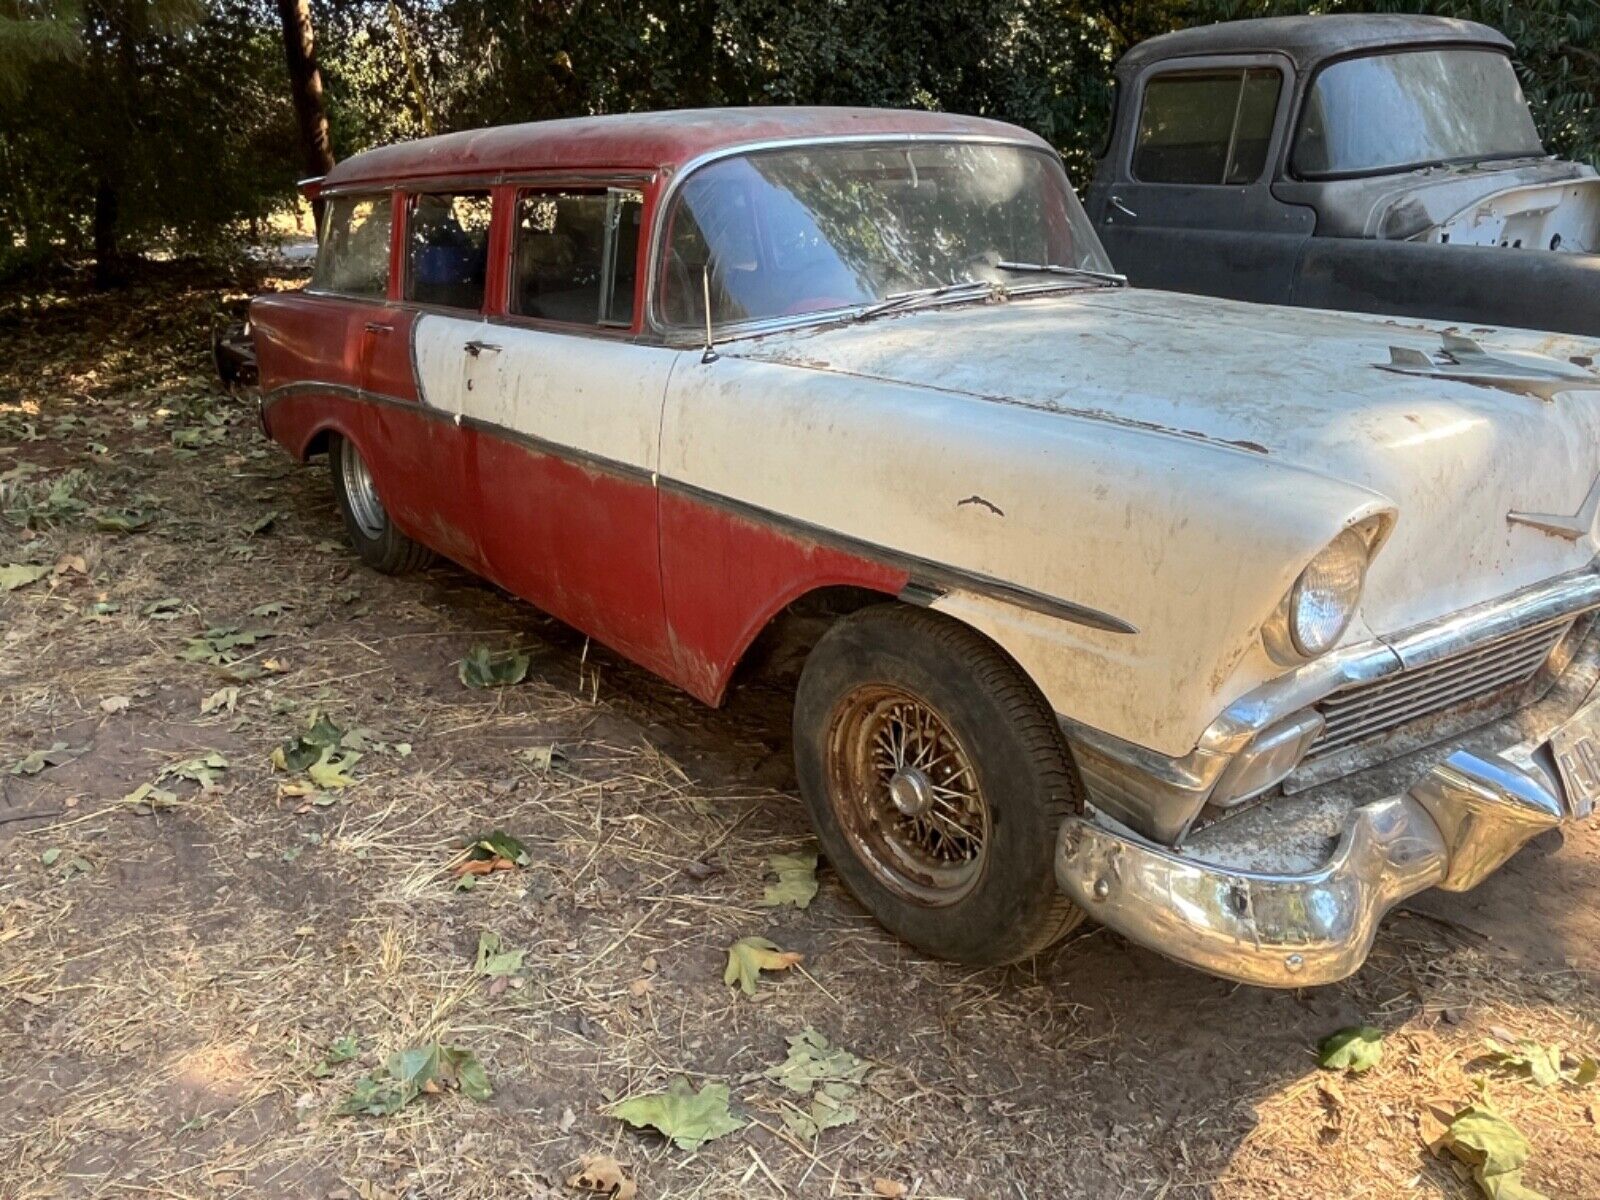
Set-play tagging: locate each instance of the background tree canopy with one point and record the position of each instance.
(134, 125)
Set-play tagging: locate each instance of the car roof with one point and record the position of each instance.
(1310, 40)
(643, 141)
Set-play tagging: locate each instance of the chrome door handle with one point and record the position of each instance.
(475, 348)
(1116, 202)
(379, 327)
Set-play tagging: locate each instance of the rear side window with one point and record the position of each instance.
(577, 256)
(353, 256)
(1207, 127)
(447, 249)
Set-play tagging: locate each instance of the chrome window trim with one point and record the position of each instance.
(684, 335)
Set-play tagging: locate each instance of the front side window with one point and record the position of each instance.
(810, 229)
(577, 256)
(447, 249)
(353, 255)
(1207, 127)
(1391, 112)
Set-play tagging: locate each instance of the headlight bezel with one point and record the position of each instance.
(1283, 634)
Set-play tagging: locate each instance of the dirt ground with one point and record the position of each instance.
(175, 965)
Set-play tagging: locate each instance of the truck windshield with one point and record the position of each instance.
(800, 230)
(1391, 112)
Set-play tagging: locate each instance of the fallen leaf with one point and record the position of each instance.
(483, 669)
(115, 704)
(1356, 1049)
(409, 1073)
(492, 962)
(332, 772)
(147, 798)
(1544, 1065)
(689, 1118)
(74, 563)
(203, 770)
(603, 1174)
(20, 575)
(797, 880)
(1493, 1149)
(828, 1076)
(36, 761)
(749, 956)
(890, 1189)
(224, 698)
(541, 758)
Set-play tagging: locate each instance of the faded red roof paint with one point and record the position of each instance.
(639, 141)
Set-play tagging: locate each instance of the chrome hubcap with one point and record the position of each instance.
(906, 795)
(911, 792)
(365, 506)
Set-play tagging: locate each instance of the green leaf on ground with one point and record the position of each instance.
(147, 798)
(331, 772)
(1528, 1058)
(125, 520)
(797, 880)
(20, 575)
(497, 844)
(166, 609)
(38, 760)
(828, 1076)
(203, 770)
(220, 645)
(341, 1050)
(492, 961)
(1356, 1049)
(406, 1074)
(482, 668)
(689, 1118)
(750, 956)
(1493, 1148)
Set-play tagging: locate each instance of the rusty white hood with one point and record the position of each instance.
(1322, 391)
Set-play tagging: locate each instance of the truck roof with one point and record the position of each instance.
(1310, 40)
(642, 141)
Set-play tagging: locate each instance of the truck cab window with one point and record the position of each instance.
(353, 256)
(447, 249)
(1207, 127)
(576, 256)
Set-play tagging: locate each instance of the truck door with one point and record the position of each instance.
(1183, 199)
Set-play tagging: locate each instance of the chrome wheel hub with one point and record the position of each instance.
(906, 795)
(911, 792)
(359, 491)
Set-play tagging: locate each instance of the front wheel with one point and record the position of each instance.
(380, 545)
(936, 777)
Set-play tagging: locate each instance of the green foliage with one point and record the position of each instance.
(1357, 1049)
(167, 123)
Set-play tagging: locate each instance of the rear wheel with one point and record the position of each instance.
(936, 777)
(380, 545)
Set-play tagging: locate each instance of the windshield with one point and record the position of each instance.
(811, 229)
(1391, 111)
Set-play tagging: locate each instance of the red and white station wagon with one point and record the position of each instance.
(1230, 625)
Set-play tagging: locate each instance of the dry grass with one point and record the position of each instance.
(164, 1011)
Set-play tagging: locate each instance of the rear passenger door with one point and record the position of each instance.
(443, 284)
(565, 411)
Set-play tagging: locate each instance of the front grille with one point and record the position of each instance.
(1369, 710)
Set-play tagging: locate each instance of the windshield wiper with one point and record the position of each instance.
(964, 289)
(1109, 277)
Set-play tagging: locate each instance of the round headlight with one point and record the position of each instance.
(1325, 596)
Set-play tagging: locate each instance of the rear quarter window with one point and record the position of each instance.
(353, 256)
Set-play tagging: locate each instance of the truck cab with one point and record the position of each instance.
(1384, 164)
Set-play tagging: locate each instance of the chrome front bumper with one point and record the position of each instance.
(1295, 927)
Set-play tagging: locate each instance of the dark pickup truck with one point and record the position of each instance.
(1383, 164)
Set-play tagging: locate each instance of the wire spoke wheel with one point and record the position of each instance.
(905, 794)
(360, 492)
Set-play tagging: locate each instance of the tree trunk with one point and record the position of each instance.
(107, 272)
(305, 86)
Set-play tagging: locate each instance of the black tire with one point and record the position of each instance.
(380, 545)
(1007, 906)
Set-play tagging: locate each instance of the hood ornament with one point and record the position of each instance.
(1517, 371)
(1572, 528)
